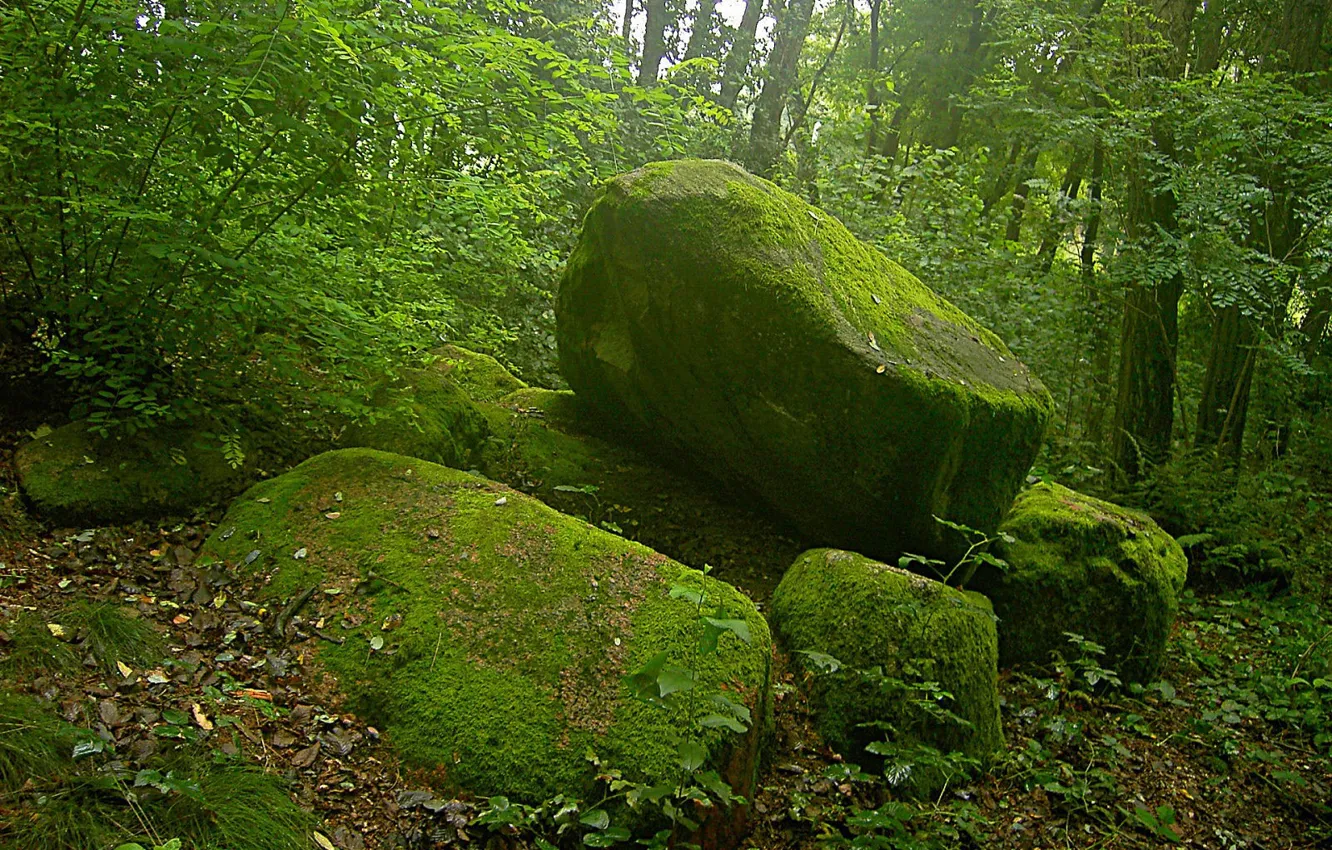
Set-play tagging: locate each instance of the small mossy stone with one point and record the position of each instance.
(1082, 565)
(482, 376)
(546, 445)
(423, 414)
(867, 614)
(72, 476)
(516, 624)
(753, 334)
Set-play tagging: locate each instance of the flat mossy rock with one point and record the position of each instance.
(755, 336)
(1078, 564)
(72, 476)
(867, 614)
(545, 444)
(423, 414)
(517, 624)
(482, 376)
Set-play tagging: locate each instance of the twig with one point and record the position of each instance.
(280, 624)
(436, 655)
(320, 633)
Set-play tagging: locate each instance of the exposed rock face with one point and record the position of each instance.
(752, 334)
(1081, 565)
(517, 624)
(866, 614)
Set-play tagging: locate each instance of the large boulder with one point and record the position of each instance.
(544, 443)
(423, 413)
(73, 476)
(515, 625)
(751, 333)
(866, 614)
(483, 377)
(1078, 564)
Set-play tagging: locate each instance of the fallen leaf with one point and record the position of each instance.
(253, 693)
(874, 343)
(201, 718)
(306, 757)
(180, 619)
(300, 553)
(332, 515)
(56, 629)
(157, 677)
(323, 841)
(876, 299)
(124, 669)
(502, 500)
(881, 369)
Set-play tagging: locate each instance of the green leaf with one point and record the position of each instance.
(674, 680)
(720, 721)
(739, 628)
(692, 755)
(596, 819)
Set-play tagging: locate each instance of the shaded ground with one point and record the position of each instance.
(1230, 751)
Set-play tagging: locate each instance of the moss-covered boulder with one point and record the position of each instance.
(1078, 564)
(424, 414)
(480, 375)
(73, 476)
(515, 624)
(753, 334)
(866, 614)
(545, 444)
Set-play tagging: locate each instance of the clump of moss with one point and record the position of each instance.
(515, 623)
(72, 476)
(55, 802)
(1082, 565)
(424, 414)
(867, 614)
(754, 335)
(481, 376)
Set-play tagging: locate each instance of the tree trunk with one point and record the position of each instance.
(742, 50)
(1224, 405)
(627, 25)
(1057, 224)
(967, 70)
(1098, 314)
(701, 40)
(765, 133)
(654, 41)
(1145, 404)
(872, 102)
(1004, 180)
(1020, 193)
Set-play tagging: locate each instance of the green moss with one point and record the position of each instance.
(744, 328)
(480, 375)
(545, 445)
(73, 477)
(1082, 565)
(867, 614)
(424, 414)
(517, 622)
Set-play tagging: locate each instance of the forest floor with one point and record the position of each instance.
(1229, 750)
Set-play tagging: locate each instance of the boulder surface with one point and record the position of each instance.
(866, 614)
(512, 625)
(1078, 564)
(751, 334)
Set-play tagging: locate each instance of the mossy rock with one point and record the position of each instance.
(755, 336)
(423, 414)
(545, 444)
(482, 376)
(867, 614)
(517, 624)
(72, 476)
(1078, 564)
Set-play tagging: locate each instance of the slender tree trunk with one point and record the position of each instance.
(1224, 404)
(873, 104)
(1004, 180)
(654, 41)
(1314, 324)
(1099, 314)
(969, 67)
(627, 25)
(742, 50)
(765, 133)
(1020, 193)
(701, 40)
(1057, 224)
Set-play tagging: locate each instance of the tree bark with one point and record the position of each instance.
(742, 50)
(1224, 404)
(1098, 314)
(873, 104)
(627, 25)
(701, 42)
(765, 133)
(1020, 193)
(654, 41)
(1057, 224)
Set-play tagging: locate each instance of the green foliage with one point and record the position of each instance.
(102, 631)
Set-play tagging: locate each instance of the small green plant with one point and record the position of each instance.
(971, 560)
(1159, 821)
